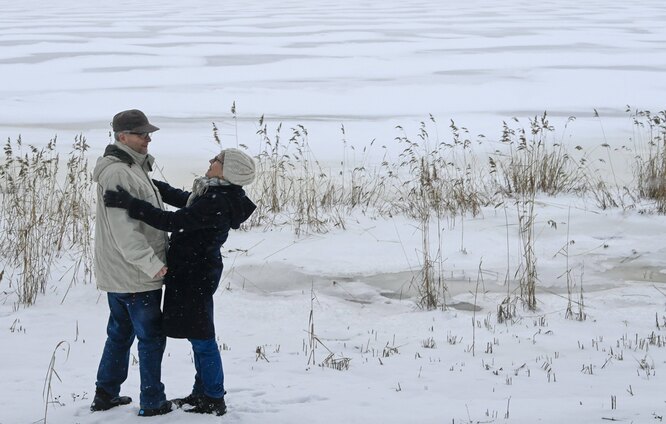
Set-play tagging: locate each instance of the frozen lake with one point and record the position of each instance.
(68, 67)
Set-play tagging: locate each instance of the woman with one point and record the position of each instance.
(198, 230)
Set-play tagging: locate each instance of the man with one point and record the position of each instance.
(129, 265)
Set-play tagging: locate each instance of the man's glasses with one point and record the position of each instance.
(143, 135)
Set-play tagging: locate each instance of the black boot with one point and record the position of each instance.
(209, 405)
(104, 400)
(151, 412)
(191, 399)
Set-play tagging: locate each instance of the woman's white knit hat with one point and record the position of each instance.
(237, 166)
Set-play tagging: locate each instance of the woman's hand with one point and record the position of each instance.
(117, 199)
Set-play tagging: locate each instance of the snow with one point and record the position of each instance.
(68, 67)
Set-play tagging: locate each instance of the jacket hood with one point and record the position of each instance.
(245, 210)
(240, 206)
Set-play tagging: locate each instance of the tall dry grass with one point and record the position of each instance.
(650, 166)
(438, 177)
(46, 215)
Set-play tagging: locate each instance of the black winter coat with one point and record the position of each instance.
(194, 260)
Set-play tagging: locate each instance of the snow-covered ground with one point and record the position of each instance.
(405, 364)
(67, 67)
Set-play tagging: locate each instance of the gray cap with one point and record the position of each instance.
(237, 166)
(132, 120)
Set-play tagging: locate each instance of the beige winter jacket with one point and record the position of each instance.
(128, 253)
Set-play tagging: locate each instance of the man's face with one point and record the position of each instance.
(135, 141)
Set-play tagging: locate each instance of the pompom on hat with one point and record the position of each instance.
(237, 166)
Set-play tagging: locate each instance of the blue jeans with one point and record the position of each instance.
(209, 379)
(134, 314)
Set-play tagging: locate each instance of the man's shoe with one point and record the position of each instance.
(104, 401)
(209, 405)
(191, 399)
(151, 412)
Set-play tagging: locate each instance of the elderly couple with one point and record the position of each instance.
(132, 262)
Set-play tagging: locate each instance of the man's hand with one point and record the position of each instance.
(162, 272)
(117, 199)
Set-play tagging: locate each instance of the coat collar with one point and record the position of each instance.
(129, 156)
